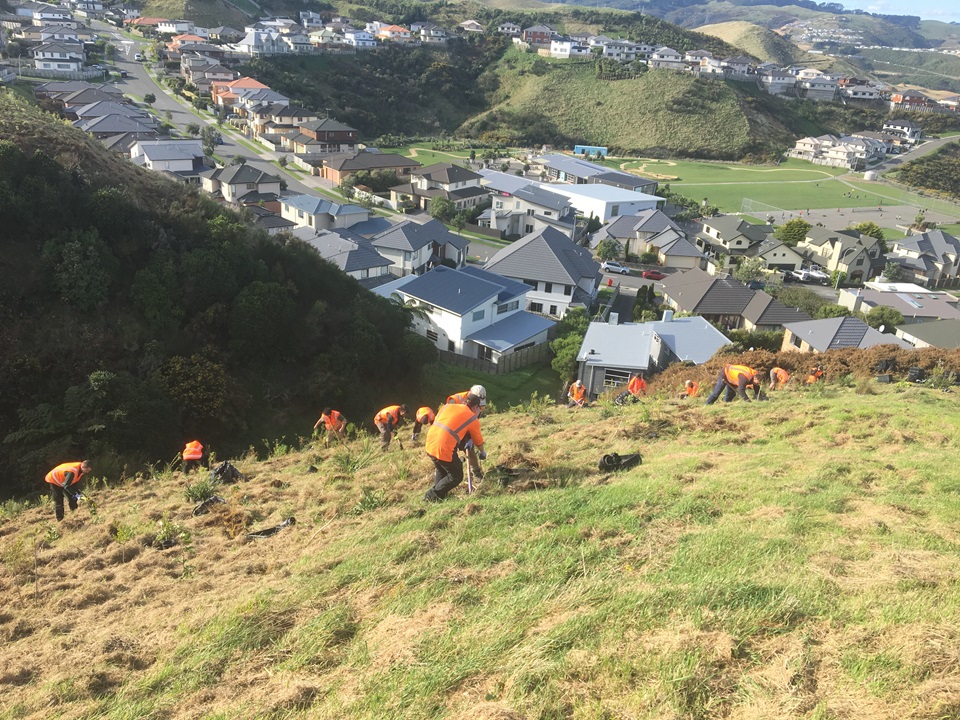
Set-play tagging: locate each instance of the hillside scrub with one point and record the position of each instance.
(796, 557)
(939, 172)
(138, 314)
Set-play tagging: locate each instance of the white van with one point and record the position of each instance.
(138, 56)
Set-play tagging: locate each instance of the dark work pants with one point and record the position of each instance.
(446, 476)
(58, 494)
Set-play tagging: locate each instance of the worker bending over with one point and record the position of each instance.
(690, 389)
(424, 416)
(454, 426)
(194, 455)
(577, 395)
(460, 398)
(387, 422)
(735, 379)
(778, 378)
(816, 375)
(63, 480)
(331, 422)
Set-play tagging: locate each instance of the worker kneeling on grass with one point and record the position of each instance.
(452, 428)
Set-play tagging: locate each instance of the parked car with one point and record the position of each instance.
(653, 275)
(611, 266)
(755, 284)
(138, 56)
(818, 276)
(792, 276)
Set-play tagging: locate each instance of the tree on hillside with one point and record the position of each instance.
(802, 298)
(750, 268)
(792, 231)
(886, 317)
(609, 249)
(570, 332)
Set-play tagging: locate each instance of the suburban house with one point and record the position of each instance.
(606, 201)
(204, 72)
(560, 273)
(471, 312)
(174, 27)
(441, 180)
(352, 253)
(67, 57)
(730, 236)
(537, 35)
(224, 93)
(471, 26)
(906, 129)
(269, 221)
(257, 43)
(339, 166)
(775, 80)
(665, 57)
(647, 230)
(320, 214)
(519, 207)
(323, 136)
(234, 182)
(509, 28)
(558, 168)
(943, 334)
(277, 117)
(853, 152)
(813, 84)
(563, 48)
(726, 301)
(818, 336)
(931, 258)
(845, 250)
(911, 100)
(610, 354)
(776, 255)
(413, 248)
(916, 304)
(394, 33)
(102, 108)
(183, 159)
(360, 39)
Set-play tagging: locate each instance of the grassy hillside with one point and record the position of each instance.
(207, 13)
(947, 34)
(658, 113)
(793, 559)
(935, 71)
(757, 41)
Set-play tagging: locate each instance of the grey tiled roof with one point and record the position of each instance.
(368, 161)
(451, 290)
(547, 256)
(244, 173)
(446, 173)
(943, 334)
(764, 310)
(347, 250)
(411, 236)
(696, 291)
(833, 333)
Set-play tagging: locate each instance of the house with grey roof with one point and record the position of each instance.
(471, 312)
(818, 336)
(270, 221)
(848, 251)
(609, 353)
(442, 180)
(727, 237)
(647, 230)
(59, 56)
(320, 213)
(414, 248)
(115, 124)
(337, 167)
(101, 108)
(943, 334)
(184, 155)
(519, 207)
(726, 301)
(561, 274)
(352, 253)
(917, 304)
(234, 182)
(932, 258)
(777, 255)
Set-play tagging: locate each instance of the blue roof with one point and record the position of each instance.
(691, 339)
(452, 290)
(315, 205)
(511, 331)
(622, 346)
(511, 288)
(374, 225)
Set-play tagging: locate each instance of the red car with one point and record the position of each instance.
(653, 275)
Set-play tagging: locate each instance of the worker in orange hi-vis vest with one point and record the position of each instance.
(690, 389)
(425, 416)
(63, 481)
(455, 426)
(816, 375)
(577, 395)
(331, 422)
(735, 379)
(778, 378)
(194, 455)
(387, 422)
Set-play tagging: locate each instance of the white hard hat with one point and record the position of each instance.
(481, 392)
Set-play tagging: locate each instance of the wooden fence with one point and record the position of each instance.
(508, 363)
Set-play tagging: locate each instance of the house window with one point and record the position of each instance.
(432, 336)
(568, 289)
(614, 209)
(507, 307)
(530, 212)
(531, 283)
(484, 353)
(251, 186)
(553, 309)
(615, 378)
(528, 228)
(451, 346)
(478, 315)
(548, 287)
(796, 341)
(536, 307)
(859, 261)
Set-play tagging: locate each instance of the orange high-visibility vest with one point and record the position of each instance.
(637, 385)
(451, 425)
(193, 450)
(733, 372)
(578, 392)
(425, 415)
(333, 421)
(459, 398)
(58, 476)
(389, 415)
(781, 375)
(693, 389)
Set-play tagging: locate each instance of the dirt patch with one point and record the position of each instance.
(490, 711)
(394, 639)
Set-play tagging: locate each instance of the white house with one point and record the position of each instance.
(320, 214)
(413, 248)
(175, 27)
(665, 57)
(471, 311)
(352, 253)
(67, 57)
(169, 155)
(565, 48)
(360, 39)
(561, 274)
(235, 181)
(606, 201)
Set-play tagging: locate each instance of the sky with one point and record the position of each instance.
(945, 10)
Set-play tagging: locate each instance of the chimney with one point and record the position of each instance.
(668, 315)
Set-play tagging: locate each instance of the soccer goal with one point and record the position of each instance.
(763, 211)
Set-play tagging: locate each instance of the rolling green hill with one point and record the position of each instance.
(935, 71)
(793, 559)
(757, 41)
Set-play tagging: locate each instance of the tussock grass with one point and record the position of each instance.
(794, 558)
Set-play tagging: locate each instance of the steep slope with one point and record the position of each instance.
(784, 558)
(757, 41)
